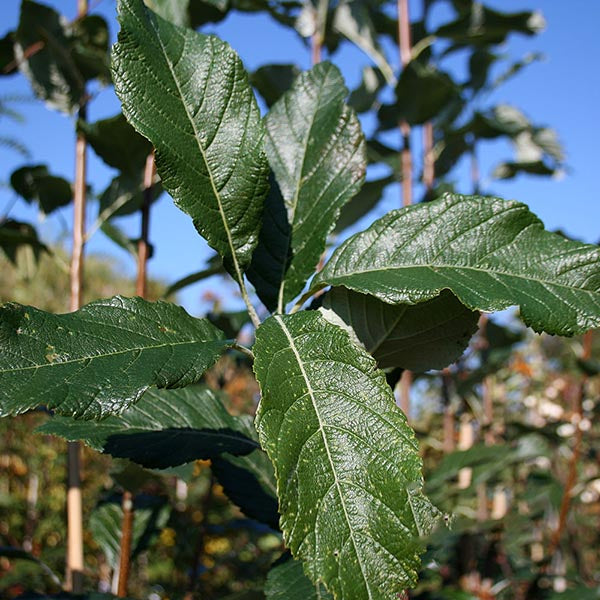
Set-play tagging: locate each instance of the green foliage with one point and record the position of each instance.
(337, 475)
(34, 183)
(491, 253)
(323, 493)
(38, 348)
(208, 145)
(316, 149)
(429, 335)
(150, 435)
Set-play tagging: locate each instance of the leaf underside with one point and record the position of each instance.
(164, 429)
(428, 335)
(491, 253)
(346, 462)
(206, 126)
(101, 359)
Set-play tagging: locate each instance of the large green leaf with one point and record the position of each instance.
(34, 183)
(117, 143)
(429, 335)
(164, 429)
(51, 69)
(490, 253)
(317, 151)
(101, 359)
(206, 128)
(347, 464)
(287, 581)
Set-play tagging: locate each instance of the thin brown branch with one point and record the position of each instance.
(316, 46)
(428, 159)
(75, 560)
(406, 166)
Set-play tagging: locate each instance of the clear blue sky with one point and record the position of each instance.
(563, 92)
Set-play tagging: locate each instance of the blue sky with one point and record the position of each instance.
(562, 91)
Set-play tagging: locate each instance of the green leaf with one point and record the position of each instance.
(151, 514)
(207, 11)
(117, 143)
(317, 151)
(35, 184)
(483, 26)
(272, 81)
(51, 70)
(174, 11)
(287, 581)
(123, 196)
(101, 359)
(429, 335)
(165, 428)
(421, 94)
(118, 236)
(365, 95)
(490, 253)
(206, 129)
(249, 482)
(89, 43)
(15, 234)
(353, 20)
(347, 464)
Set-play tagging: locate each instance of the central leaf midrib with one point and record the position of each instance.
(433, 267)
(106, 355)
(325, 444)
(202, 152)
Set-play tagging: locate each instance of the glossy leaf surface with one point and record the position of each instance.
(316, 149)
(101, 359)
(164, 429)
(490, 253)
(429, 335)
(206, 129)
(347, 466)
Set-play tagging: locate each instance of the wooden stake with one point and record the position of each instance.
(75, 561)
(143, 243)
